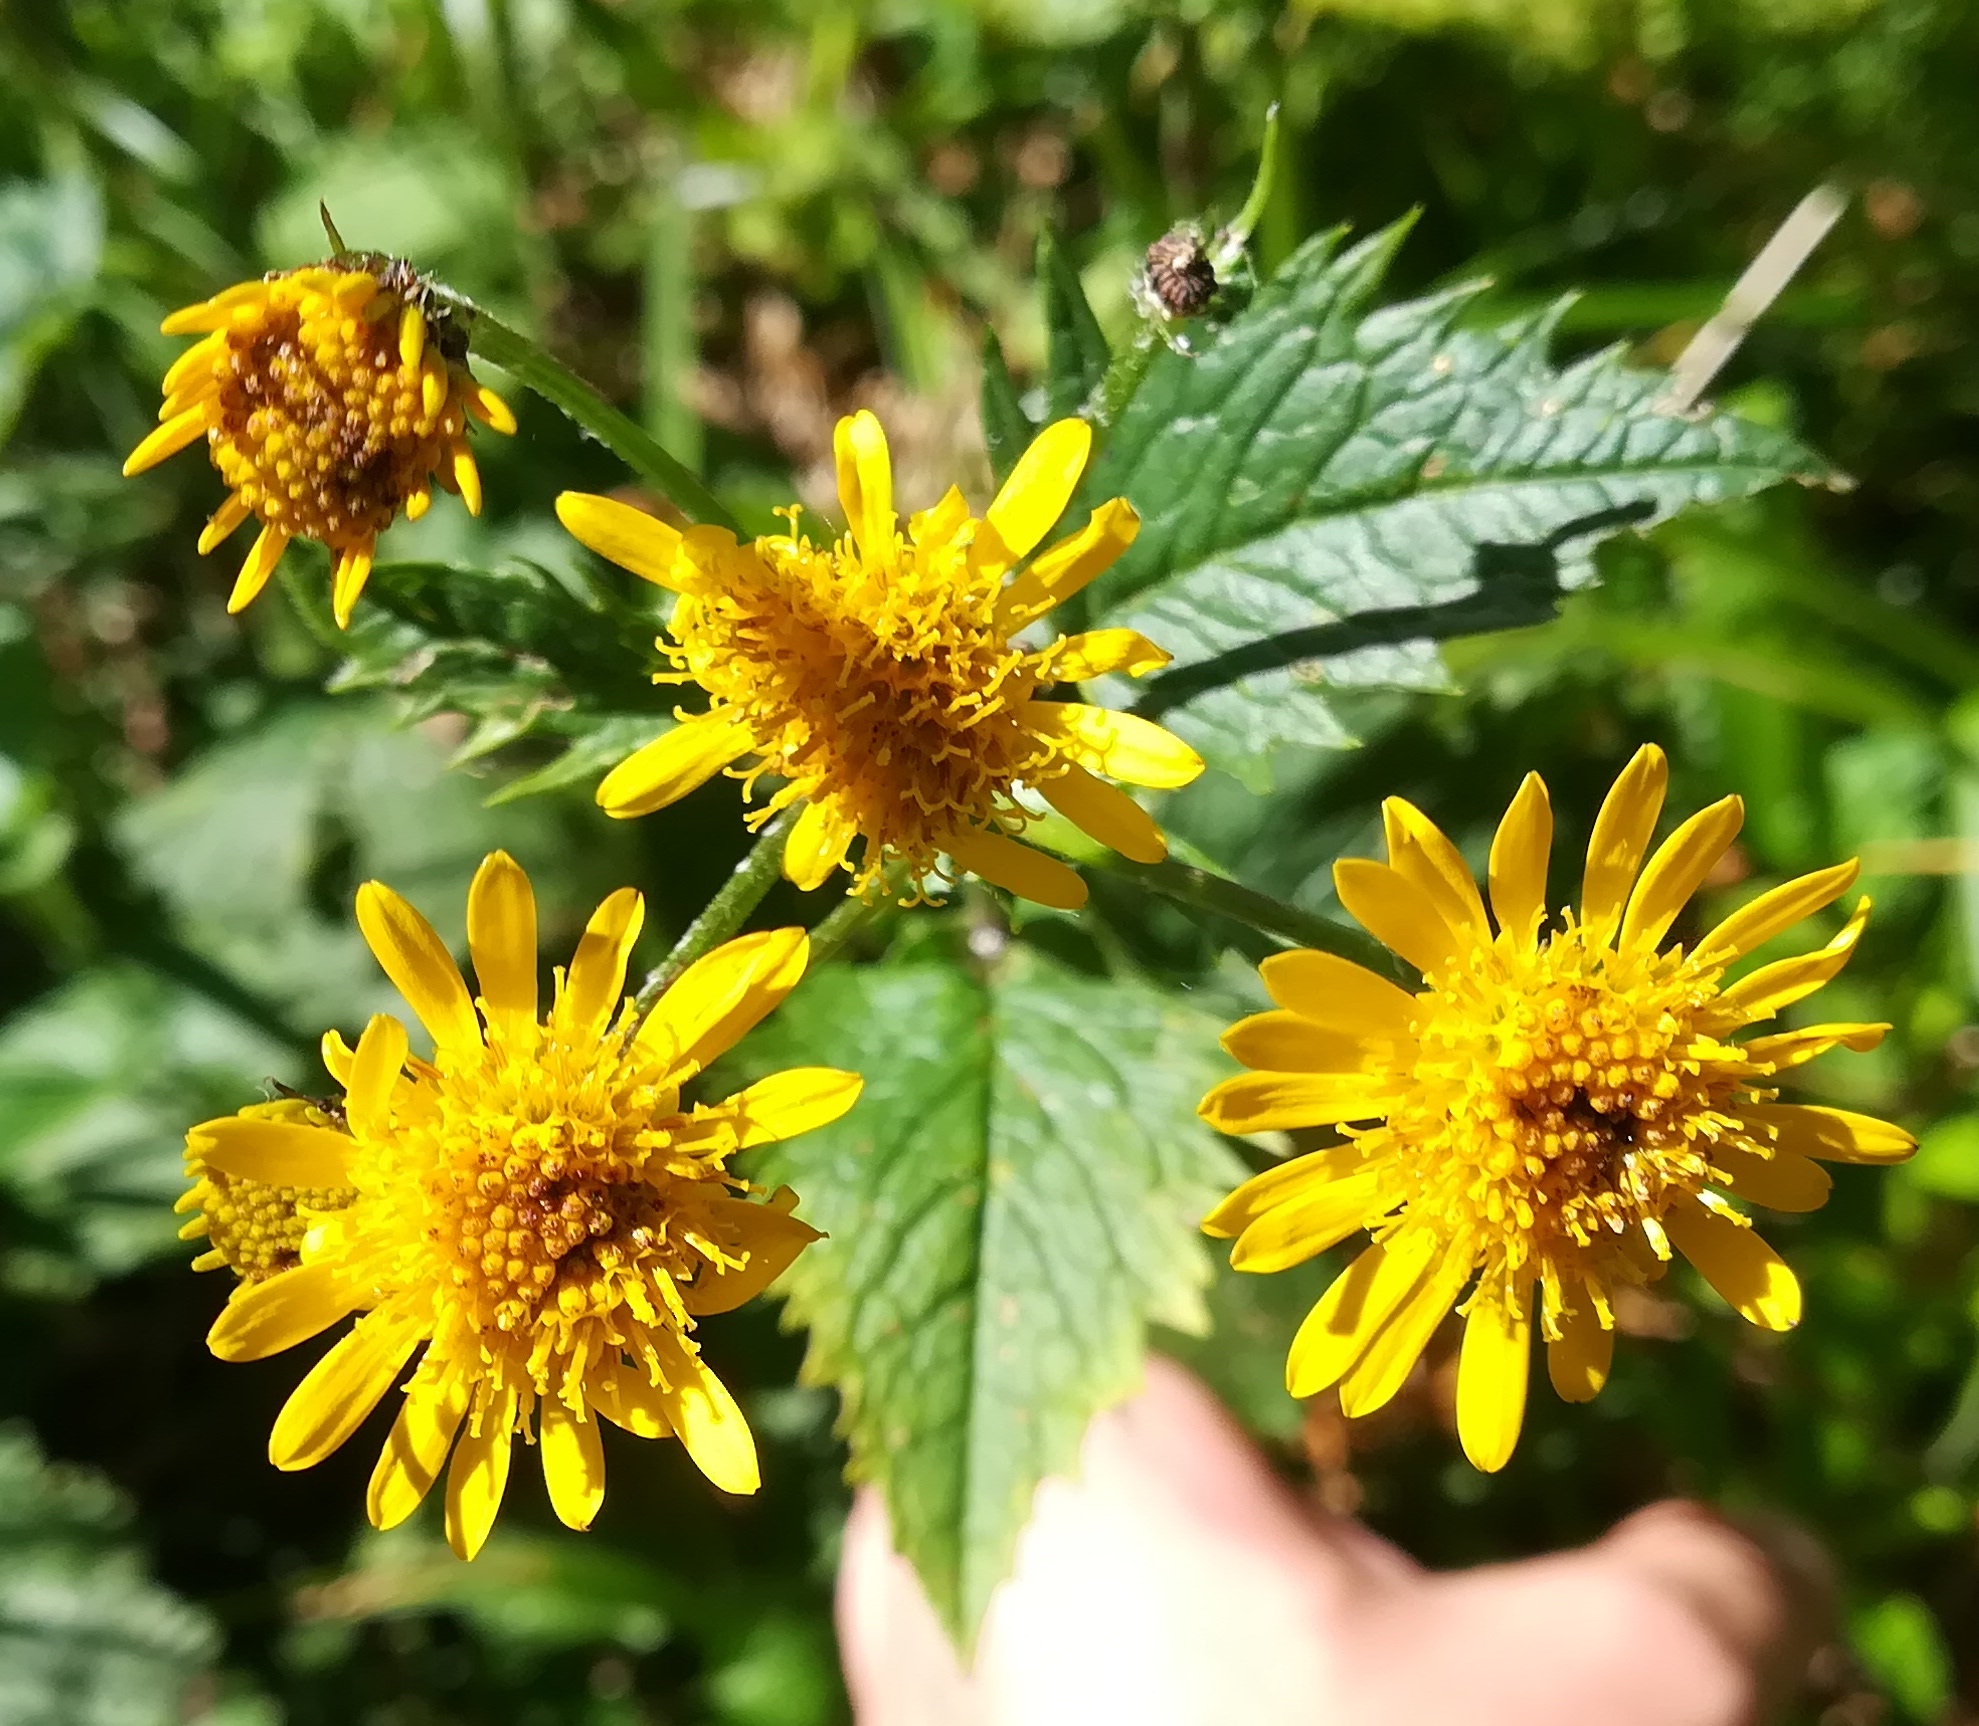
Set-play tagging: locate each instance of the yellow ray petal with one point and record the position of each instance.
(1062, 570)
(1765, 991)
(222, 522)
(719, 998)
(704, 1415)
(1281, 1185)
(771, 1236)
(1519, 853)
(419, 965)
(865, 483)
(573, 1463)
(1833, 1135)
(290, 1307)
(352, 572)
(1106, 813)
(1396, 912)
(627, 1398)
(1035, 494)
(1621, 836)
(1492, 1372)
(1288, 1042)
(665, 770)
(262, 557)
(1753, 1279)
(596, 982)
(1577, 1361)
(819, 839)
(467, 478)
(198, 358)
(1337, 993)
(1307, 1223)
(415, 1451)
(479, 1476)
(936, 528)
(1120, 745)
(337, 1058)
(1785, 1181)
(374, 1075)
(1274, 1102)
(1003, 862)
(1392, 1352)
(1419, 850)
(490, 409)
(214, 313)
(1678, 869)
(788, 1103)
(276, 1153)
(501, 937)
(340, 1390)
(1787, 1049)
(1774, 912)
(1356, 1306)
(628, 537)
(1099, 652)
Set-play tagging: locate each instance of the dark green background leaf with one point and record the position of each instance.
(86, 1638)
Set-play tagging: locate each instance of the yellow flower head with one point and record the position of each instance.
(534, 1212)
(331, 399)
(878, 676)
(1553, 1112)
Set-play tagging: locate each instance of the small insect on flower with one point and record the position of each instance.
(332, 399)
(1553, 1114)
(534, 1213)
(879, 676)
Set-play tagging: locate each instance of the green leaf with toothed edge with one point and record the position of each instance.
(86, 1637)
(1011, 1203)
(1076, 354)
(1007, 429)
(1378, 479)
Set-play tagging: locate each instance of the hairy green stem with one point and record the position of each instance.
(724, 914)
(1122, 378)
(839, 926)
(1218, 895)
(534, 368)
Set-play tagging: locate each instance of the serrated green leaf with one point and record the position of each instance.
(1076, 354)
(519, 649)
(1364, 483)
(596, 747)
(86, 1638)
(1007, 429)
(1011, 1203)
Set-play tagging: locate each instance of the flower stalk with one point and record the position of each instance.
(724, 914)
(530, 365)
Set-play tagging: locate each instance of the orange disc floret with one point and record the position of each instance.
(332, 398)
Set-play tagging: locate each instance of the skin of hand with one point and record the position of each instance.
(1178, 1582)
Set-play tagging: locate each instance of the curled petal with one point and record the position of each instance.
(671, 766)
(628, 537)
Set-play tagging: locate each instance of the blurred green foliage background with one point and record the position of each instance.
(740, 218)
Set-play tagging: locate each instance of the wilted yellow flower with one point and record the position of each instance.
(878, 676)
(331, 399)
(1555, 1113)
(534, 1213)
